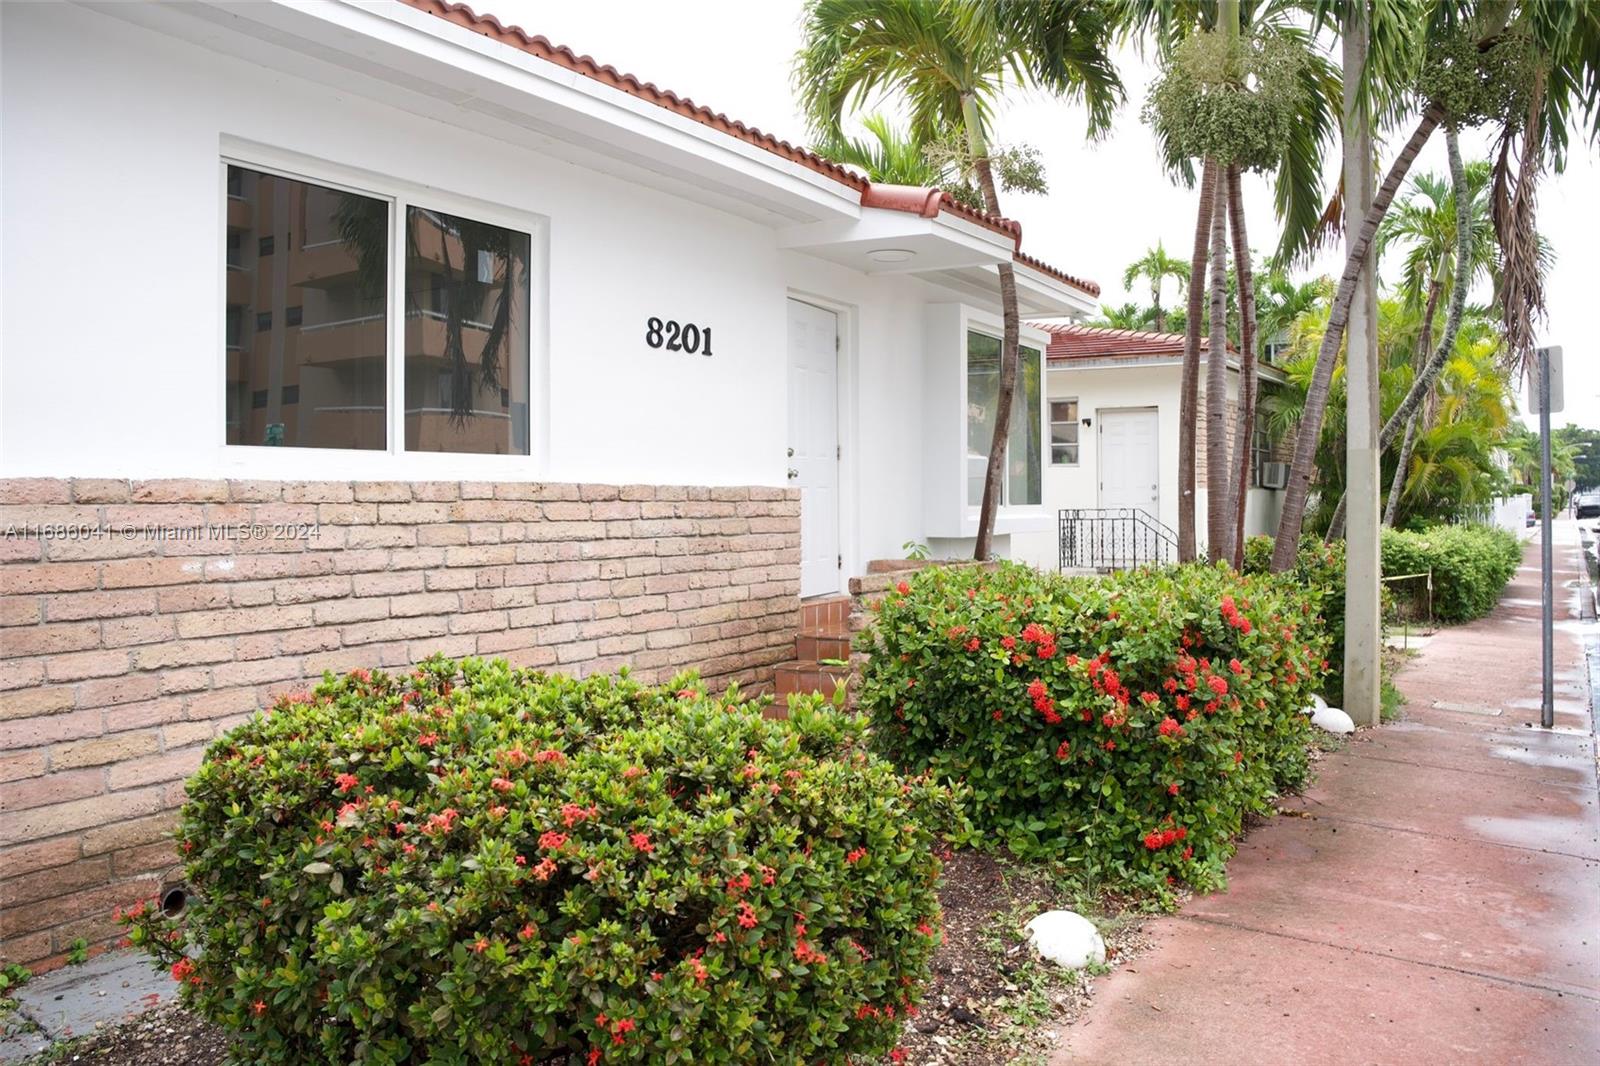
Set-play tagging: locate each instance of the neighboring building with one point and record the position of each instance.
(401, 332)
(1113, 426)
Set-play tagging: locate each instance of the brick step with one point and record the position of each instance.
(830, 640)
(807, 676)
(824, 611)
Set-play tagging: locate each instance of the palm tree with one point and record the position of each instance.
(1281, 302)
(1427, 221)
(1294, 154)
(1155, 266)
(949, 61)
(1563, 76)
(1128, 316)
(887, 155)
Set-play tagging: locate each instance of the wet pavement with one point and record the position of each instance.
(1433, 898)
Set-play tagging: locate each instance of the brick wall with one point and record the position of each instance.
(123, 655)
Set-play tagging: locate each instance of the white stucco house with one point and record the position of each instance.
(1112, 399)
(336, 335)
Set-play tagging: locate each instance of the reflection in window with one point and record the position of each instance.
(1023, 480)
(329, 358)
(467, 335)
(1064, 432)
(1260, 448)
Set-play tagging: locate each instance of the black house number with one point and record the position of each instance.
(675, 337)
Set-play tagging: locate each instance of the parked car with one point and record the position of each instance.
(1587, 505)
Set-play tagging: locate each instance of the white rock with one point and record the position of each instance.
(1067, 939)
(1333, 720)
(1317, 704)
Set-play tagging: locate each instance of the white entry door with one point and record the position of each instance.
(1130, 461)
(813, 461)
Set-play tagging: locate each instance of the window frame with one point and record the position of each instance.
(1261, 447)
(393, 460)
(1051, 422)
(981, 325)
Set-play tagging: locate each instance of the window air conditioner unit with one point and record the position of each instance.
(1274, 475)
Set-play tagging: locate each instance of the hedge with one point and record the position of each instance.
(1125, 724)
(1470, 565)
(1319, 568)
(477, 864)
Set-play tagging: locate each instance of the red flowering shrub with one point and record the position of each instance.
(475, 864)
(1127, 724)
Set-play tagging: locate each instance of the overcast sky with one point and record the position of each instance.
(1108, 201)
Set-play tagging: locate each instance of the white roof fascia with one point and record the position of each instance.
(410, 52)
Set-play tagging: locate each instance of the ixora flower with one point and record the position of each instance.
(1151, 681)
(528, 836)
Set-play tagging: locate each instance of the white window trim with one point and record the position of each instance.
(393, 462)
(1009, 517)
(1050, 423)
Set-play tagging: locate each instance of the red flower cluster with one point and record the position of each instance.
(1044, 642)
(1231, 615)
(1042, 702)
(641, 842)
(1157, 839)
(442, 822)
(346, 782)
(551, 840)
(855, 856)
(1170, 728)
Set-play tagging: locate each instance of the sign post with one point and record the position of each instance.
(1547, 356)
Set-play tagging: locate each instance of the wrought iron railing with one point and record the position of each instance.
(1113, 538)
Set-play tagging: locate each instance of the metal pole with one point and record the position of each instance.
(1547, 706)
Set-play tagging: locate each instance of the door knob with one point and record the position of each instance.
(793, 473)
(791, 453)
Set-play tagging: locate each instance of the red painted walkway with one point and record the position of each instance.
(1437, 902)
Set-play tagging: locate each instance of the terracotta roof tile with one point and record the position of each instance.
(561, 56)
(1087, 286)
(925, 202)
(1095, 342)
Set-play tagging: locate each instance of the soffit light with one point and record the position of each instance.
(891, 255)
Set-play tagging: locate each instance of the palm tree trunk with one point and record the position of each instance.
(1385, 438)
(1287, 543)
(1393, 506)
(1244, 431)
(1218, 512)
(1189, 386)
(992, 484)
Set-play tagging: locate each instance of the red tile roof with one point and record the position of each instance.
(929, 202)
(925, 202)
(1094, 342)
(1090, 287)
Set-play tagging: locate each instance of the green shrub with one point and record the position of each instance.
(1126, 724)
(1319, 567)
(1470, 565)
(476, 864)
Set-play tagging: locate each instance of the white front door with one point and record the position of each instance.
(1130, 461)
(813, 461)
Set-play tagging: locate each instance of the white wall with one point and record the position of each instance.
(111, 345)
(113, 233)
(1110, 388)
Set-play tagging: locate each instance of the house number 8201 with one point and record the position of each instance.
(688, 337)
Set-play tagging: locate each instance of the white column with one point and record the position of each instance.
(1362, 626)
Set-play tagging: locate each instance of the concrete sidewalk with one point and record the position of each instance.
(1435, 900)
